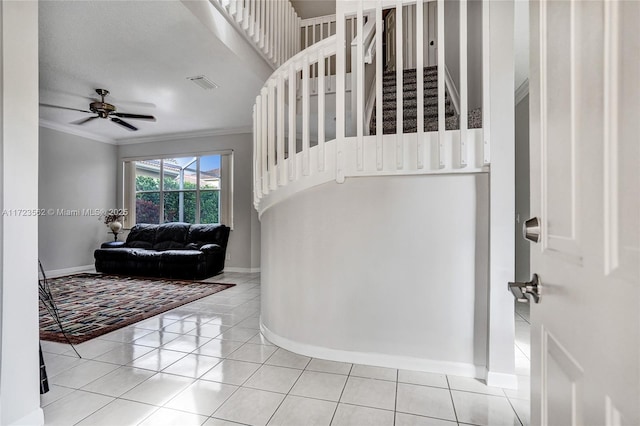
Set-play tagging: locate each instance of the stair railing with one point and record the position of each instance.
(298, 145)
(271, 26)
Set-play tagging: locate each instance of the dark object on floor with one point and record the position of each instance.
(44, 381)
(172, 250)
(47, 302)
(90, 305)
(410, 104)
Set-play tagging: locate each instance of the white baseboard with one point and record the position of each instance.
(36, 417)
(502, 380)
(67, 271)
(246, 270)
(375, 359)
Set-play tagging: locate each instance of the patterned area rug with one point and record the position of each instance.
(91, 305)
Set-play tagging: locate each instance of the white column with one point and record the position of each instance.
(19, 362)
(500, 362)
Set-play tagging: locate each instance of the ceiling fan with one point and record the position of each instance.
(106, 110)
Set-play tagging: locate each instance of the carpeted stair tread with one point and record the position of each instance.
(410, 104)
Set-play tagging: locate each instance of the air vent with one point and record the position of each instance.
(203, 82)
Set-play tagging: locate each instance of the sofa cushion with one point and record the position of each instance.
(173, 231)
(168, 245)
(142, 232)
(140, 244)
(204, 234)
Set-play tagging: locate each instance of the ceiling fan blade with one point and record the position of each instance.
(134, 116)
(61, 107)
(84, 120)
(124, 124)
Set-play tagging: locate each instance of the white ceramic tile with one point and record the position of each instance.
(155, 323)
(274, 379)
(119, 412)
(124, 354)
(169, 417)
(93, 348)
(370, 393)
(371, 372)
(119, 381)
(56, 364)
(202, 397)
(523, 391)
(296, 411)
(74, 407)
(54, 347)
(425, 401)
(157, 360)
(212, 421)
(251, 322)
(82, 374)
(156, 338)
(253, 353)
(55, 393)
(312, 384)
(523, 409)
(231, 372)
(125, 335)
(403, 419)
(259, 339)
(284, 358)
(350, 415)
(158, 389)
(186, 343)
(218, 348)
(192, 365)
(178, 313)
(472, 385)
(484, 410)
(208, 330)
(250, 406)
(422, 378)
(180, 327)
(326, 366)
(238, 334)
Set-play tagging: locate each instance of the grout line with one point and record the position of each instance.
(395, 404)
(455, 412)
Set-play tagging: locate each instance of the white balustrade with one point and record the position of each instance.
(298, 146)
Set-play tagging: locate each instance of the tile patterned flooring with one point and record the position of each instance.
(206, 363)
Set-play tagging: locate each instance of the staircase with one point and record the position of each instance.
(410, 104)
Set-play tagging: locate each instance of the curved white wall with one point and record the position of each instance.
(388, 271)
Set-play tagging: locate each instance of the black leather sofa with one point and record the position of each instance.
(171, 250)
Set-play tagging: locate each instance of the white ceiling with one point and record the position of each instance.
(142, 52)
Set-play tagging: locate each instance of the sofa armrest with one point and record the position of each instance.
(211, 249)
(112, 244)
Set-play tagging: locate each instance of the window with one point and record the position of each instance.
(193, 189)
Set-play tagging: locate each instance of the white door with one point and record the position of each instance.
(585, 188)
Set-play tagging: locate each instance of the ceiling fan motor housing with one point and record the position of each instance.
(103, 109)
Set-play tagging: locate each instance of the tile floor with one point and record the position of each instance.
(206, 363)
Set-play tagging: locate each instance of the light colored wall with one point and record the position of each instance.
(474, 47)
(386, 270)
(522, 188)
(245, 236)
(19, 372)
(75, 173)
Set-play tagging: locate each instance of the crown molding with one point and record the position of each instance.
(186, 135)
(74, 131)
(522, 91)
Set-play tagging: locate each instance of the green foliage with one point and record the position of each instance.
(147, 204)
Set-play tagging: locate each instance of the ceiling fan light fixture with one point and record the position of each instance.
(203, 82)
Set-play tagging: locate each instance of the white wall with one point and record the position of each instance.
(387, 271)
(19, 372)
(245, 236)
(523, 272)
(75, 173)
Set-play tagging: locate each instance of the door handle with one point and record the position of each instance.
(531, 288)
(531, 230)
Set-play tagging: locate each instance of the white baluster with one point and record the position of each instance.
(272, 136)
(399, 89)
(359, 88)
(305, 116)
(379, 78)
(264, 144)
(292, 122)
(464, 103)
(441, 86)
(420, 79)
(282, 178)
(321, 110)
